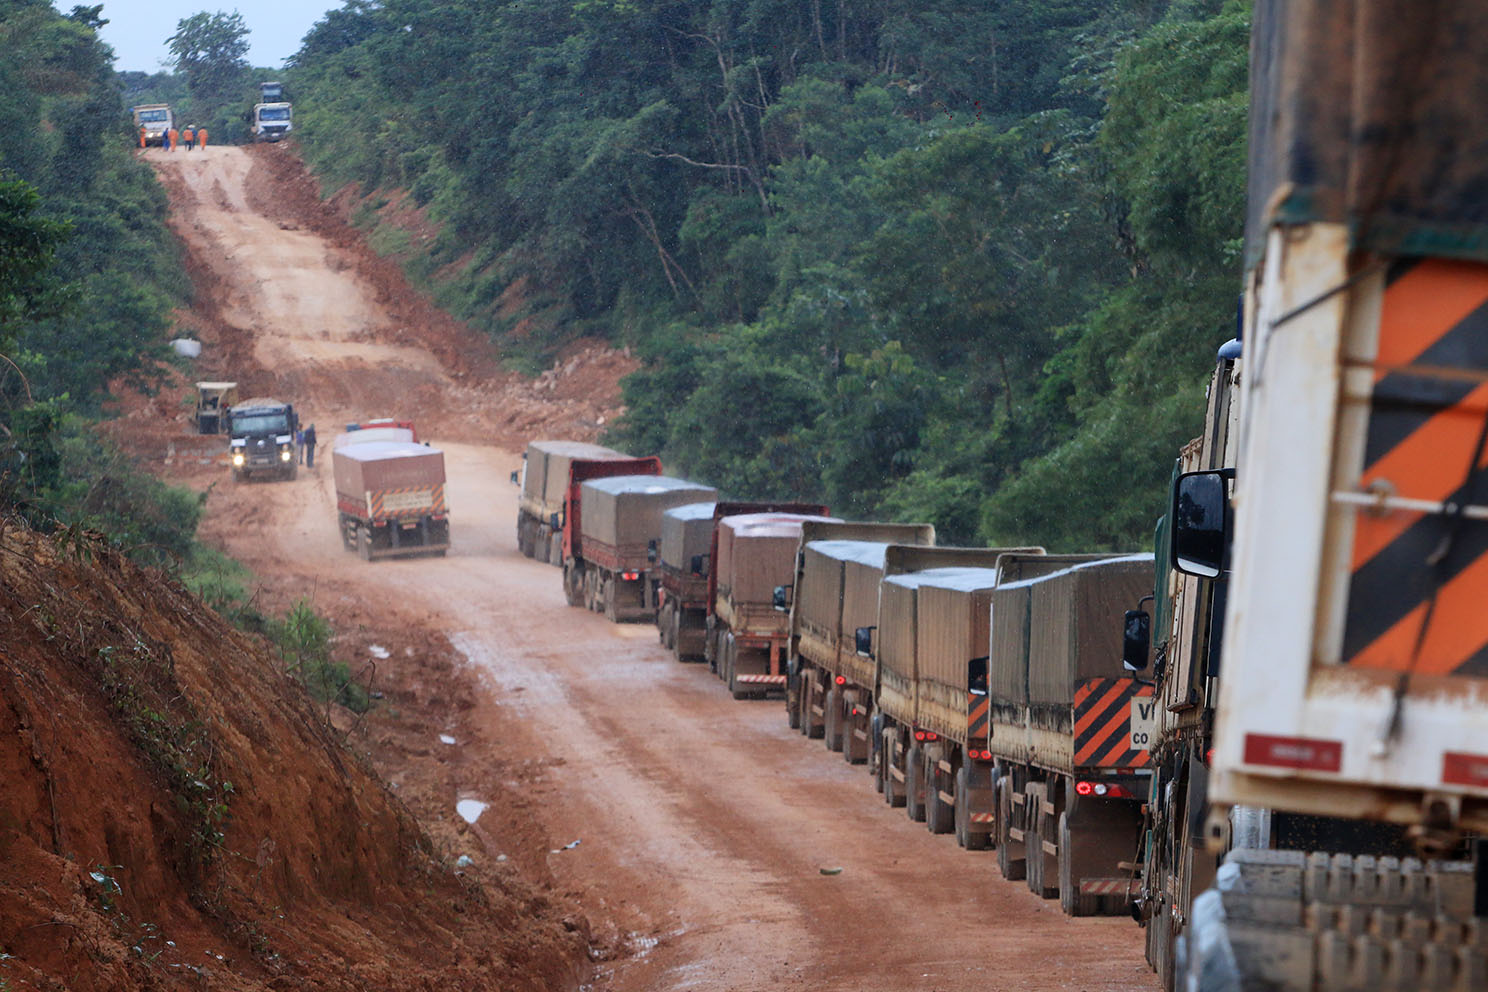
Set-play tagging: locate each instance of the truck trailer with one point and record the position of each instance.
(620, 527)
(544, 480)
(261, 439)
(1068, 735)
(835, 591)
(686, 543)
(747, 635)
(389, 491)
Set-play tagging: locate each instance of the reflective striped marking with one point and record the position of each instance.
(983, 817)
(1110, 886)
(761, 679)
(1427, 408)
(1102, 723)
(978, 717)
(409, 501)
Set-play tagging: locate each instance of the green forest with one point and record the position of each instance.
(964, 263)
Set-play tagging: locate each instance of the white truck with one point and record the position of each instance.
(272, 121)
(155, 119)
(1348, 771)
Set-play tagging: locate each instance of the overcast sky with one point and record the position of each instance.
(137, 29)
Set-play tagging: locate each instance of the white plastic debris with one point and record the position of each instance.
(446, 738)
(464, 861)
(470, 810)
(377, 651)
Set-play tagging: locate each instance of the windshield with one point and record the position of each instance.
(152, 116)
(262, 423)
(274, 114)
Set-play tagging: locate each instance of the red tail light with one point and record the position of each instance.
(1103, 790)
(1084, 788)
(842, 680)
(630, 576)
(926, 735)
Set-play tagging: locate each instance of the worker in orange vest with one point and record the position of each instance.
(188, 136)
(172, 139)
(201, 138)
(142, 136)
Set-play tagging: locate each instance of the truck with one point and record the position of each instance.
(570, 520)
(271, 92)
(156, 119)
(544, 481)
(390, 499)
(746, 634)
(682, 613)
(261, 439)
(213, 400)
(1069, 728)
(1335, 528)
(829, 690)
(928, 652)
(272, 121)
(620, 527)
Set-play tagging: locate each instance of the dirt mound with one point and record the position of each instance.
(177, 814)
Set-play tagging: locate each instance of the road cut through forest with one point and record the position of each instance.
(689, 829)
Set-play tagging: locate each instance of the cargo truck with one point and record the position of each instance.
(1068, 736)
(747, 636)
(272, 121)
(155, 119)
(544, 479)
(928, 652)
(835, 591)
(686, 543)
(571, 520)
(261, 439)
(619, 528)
(389, 491)
(1343, 674)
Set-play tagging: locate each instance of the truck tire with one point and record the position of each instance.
(939, 815)
(914, 785)
(793, 702)
(1071, 900)
(810, 689)
(891, 792)
(963, 808)
(833, 718)
(1009, 858)
(573, 584)
(364, 543)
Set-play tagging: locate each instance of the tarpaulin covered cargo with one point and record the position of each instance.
(1007, 674)
(389, 478)
(1351, 101)
(545, 481)
(895, 645)
(756, 553)
(623, 512)
(1076, 624)
(686, 532)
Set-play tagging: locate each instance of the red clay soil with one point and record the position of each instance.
(177, 814)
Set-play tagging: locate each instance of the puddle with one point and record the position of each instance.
(470, 810)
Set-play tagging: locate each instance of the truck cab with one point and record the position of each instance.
(272, 121)
(261, 439)
(156, 119)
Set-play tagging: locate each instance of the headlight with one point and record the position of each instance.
(237, 458)
(285, 455)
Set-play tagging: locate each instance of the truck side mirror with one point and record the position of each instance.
(1136, 640)
(700, 565)
(863, 641)
(1201, 523)
(555, 523)
(514, 477)
(976, 675)
(781, 599)
(651, 552)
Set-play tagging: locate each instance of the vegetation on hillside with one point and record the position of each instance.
(932, 260)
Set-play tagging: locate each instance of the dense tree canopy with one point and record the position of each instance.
(965, 262)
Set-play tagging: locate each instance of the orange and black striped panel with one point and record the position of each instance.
(1427, 414)
(430, 500)
(978, 719)
(1102, 721)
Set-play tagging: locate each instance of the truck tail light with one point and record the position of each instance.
(1084, 788)
(841, 680)
(630, 576)
(926, 735)
(1103, 790)
(977, 755)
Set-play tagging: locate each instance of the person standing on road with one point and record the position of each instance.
(310, 446)
(201, 138)
(142, 136)
(172, 138)
(188, 137)
(300, 443)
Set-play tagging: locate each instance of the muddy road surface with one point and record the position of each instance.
(691, 829)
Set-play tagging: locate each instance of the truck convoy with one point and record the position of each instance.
(156, 119)
(389, 491)
(618, 523)
(747, 635)
(261, 439)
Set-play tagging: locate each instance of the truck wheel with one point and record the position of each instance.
(1009, 862)
(793, 702)
(963, 807)
(914, 785)
(608, 601)
(939, 815)
(833, 729)
(572, 585)
(555, 549)
(364, 543)
(810, 690)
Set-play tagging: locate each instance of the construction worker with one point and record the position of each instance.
(172, 138)
(142, 136)
(188, 137)
(201, 138)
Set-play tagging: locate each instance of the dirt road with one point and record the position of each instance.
(702, 824)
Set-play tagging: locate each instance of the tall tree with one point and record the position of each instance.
(210, 51)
